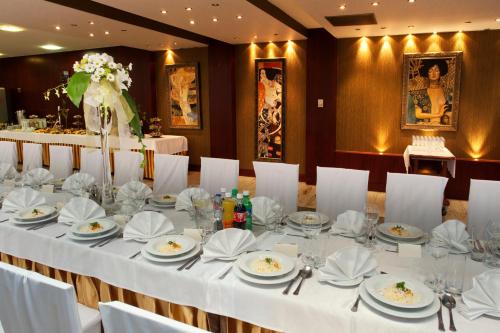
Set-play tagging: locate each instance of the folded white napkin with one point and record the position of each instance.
(184, 201)
(147, 225)
(349, 222)
(348, 264)
(80, 210)
(7, 171)
(37, 176)
(23, 198)
(484, 297)
(228, 243)
(78, 182)
(134, 190)
(265, 210)
(451, 234)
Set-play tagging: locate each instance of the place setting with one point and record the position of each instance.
(350, 224)
(298, 220)
(163, 201)
(35, 217)
(395, 233)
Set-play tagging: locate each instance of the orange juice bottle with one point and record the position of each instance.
(227, 211)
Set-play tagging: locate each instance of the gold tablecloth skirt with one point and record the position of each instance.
(90, 291)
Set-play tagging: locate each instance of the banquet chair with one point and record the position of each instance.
(414, 199)
(31, 302)
(127, 167)
(278, 181)
(61, 161)
(483, 205)
(170, 173)
(91, 163)
(118, 317)
(338, 190)
(8, 153)
(32, 156)
(219, 172)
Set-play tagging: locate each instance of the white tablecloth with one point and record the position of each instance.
(319, 307)
(167, 144)
(428, 151)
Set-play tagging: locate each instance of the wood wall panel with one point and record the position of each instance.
(198, 140)
(295, 118)
(370, 87)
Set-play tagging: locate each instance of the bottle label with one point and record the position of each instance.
(239, 217)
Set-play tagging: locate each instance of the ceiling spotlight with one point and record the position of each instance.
(175, 43)
(239, 17)
(189, 9)
(411, 1)
(51, 47)
(498, 19)
(106, 32)
(191, 22)
(383, 28)
(91, 22)
(342, 7)
(10, 28)
(124, 30)
(411, 26)
(163, 11)
(468, 22)
(215, 5)
(215, 19)
(91, 35)
(357, 29)
(255, 37)
(276, 34)
(58, 27)
(375, 4)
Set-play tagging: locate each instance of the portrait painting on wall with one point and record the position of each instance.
(184, 96)
(431, 89)
(270, 101)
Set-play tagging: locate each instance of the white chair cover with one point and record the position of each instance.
(32, 156)
(127, 167)
(217, 173)
(339, 190)
(8, 153)
(31, 302)
(118, 317)
(484, 205)
(61, 161)
(170, 173)
(278, 181)
(414, 199)
(91, 163)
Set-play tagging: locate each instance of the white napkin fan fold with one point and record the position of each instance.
(80, 210)
(228, 243)
(22, 198)
(147, 225)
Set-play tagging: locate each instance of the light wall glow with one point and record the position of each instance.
(459, 40)
(409, 44)
(10, 28)
(364, 53)
(433, 42)
(169, 60)
(290, 50)
(271, 50)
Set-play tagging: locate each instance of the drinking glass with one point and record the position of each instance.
(372, 213)
(206, 224)
(439, 256)
(320, 250)
(492, 236)
(476, 254)
(455, 271)
(311, 226)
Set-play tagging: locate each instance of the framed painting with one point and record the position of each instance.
(270, 83)
(431, 91)
(184, 108)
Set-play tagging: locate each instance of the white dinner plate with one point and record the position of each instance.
(413, 232)
(107, 225)
(264, 281)
(386, 239)
(186, 244)
(111, 232)
(246, 262)
(185, 256)
(160, 200)
(297, 217)
(399, 312)
(47, 219)
(377, 283)
(298, 227)
(25, 214)
(346, 283)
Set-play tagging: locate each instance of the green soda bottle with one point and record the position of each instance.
(248, 206)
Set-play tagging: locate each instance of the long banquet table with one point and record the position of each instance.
(107, 273)
(167, 144)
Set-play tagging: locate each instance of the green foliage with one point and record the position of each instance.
(135, 124)
(77, 85)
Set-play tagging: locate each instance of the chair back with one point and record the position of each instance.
(61, 161)
(8, 153)
(484, 205)
(127, 167)
(170, 173)
(219, 172)
(91, 163)
(32, 156)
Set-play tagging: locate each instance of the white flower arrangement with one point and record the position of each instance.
(103, 67)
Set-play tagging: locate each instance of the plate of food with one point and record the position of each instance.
(184, 256)
(297, 217)
(164, 200)
(266, 264)
(263, 280)
(399, 292)
(168, 246)
(35, 213)
(93, 227)
(400, 231)
(418, 241)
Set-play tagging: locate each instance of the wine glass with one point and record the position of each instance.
(311, 227)
(372, 214)
(278, 224)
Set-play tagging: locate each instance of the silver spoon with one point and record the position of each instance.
(305, 273)
(449, 302)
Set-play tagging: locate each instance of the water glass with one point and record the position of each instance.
(492, 258)
(320, 249)
(455, 272)
(439, 257)
(311, 227)
(371, 219)
(476, 253)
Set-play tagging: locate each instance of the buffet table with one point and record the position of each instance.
(167, 144)
(414, 154)
(106, 273)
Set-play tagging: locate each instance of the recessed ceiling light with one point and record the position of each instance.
(342, 7)
(163, 11)
(124, 30)
(468, 22)
(383, 28)
(276, 34)
(91, 34)
(498, 19)
(239, 17)
(191, 22)
(175, 43)
(73, 25)
(375, 3)
(91, 22)
(357, 29)
(51, 47)
(215, 5)
(189, 9)
(58, 27)
(215, 19)
(411, 26)
(10, 28)
(411, 1)
(255, 37)
(106, 32)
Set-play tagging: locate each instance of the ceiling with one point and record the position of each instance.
(40, 18)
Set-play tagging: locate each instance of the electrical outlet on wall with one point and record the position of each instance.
(320, 103)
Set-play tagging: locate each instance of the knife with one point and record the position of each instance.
(440, 316)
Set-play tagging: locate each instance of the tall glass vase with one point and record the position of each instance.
(107, 199)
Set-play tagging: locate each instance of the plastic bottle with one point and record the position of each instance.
(248, 206)
(218, 212)
(227, 211)
(234, 193)
(240, 213)
(223, 192)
